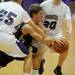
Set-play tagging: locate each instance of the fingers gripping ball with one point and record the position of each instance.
(60, 47)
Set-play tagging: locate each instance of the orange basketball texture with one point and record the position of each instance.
(62, 47)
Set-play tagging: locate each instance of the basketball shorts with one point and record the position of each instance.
(12, 47)
(5, 59)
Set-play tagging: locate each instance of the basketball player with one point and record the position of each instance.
(56, 11)
(37, 14)
(12, 14)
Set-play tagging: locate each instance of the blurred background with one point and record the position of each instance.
(27, 3)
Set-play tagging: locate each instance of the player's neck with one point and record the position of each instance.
(56, 2)
(19, 2)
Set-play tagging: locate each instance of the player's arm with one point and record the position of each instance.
(68, 23)
(26, 18)
(69, 27)
(42, 26)
(36, 28)
(29, 30)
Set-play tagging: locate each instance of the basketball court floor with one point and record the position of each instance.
(15, 67)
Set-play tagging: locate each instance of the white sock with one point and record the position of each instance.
(35, 72)
(26, 73)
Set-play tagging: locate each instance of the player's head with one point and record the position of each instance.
(36, 11)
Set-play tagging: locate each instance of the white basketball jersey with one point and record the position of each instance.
(55, 15)
(11, 14)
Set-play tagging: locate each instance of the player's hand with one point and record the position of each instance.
(59, 41)
(49, 40)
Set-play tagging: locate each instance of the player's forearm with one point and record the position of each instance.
(69, 27)
(69, 30)
(42, 26)
(38, 37)
(36, 28)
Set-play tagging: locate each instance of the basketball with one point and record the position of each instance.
(60, 47)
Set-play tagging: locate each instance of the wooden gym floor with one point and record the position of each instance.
(15, 67)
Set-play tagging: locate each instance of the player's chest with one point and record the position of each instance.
(59, 11)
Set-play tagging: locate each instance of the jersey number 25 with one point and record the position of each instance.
(7, 17)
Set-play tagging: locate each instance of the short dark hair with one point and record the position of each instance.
(34, 9)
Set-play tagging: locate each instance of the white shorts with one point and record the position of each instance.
(9, 46)
(42, 47)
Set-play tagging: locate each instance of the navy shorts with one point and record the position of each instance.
(5, 59)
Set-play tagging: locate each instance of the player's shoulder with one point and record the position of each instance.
(65, 6)
(10, 3)
(14, 3)
(45, 2)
